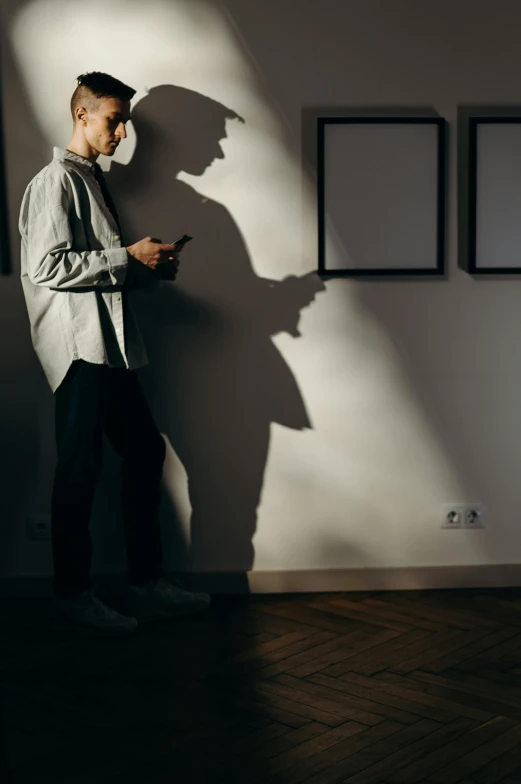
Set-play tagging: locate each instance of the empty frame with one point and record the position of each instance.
(5, 256)
(381, 196)
(494, 195)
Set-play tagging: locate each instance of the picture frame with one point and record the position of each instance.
(384, 171)
(5, 250)
(493, 203)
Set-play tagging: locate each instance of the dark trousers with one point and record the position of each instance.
(92, 400)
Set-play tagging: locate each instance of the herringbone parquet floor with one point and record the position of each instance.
(381, 687)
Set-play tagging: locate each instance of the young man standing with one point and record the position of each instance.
(75, 271)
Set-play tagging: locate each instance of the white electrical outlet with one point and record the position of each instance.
(38, 527)
(473, 517)
(452, 515)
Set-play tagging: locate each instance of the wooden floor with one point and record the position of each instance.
(380, 687)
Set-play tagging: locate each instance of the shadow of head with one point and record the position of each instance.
(180, 129)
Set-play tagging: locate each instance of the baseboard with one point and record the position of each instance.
(414, 578)
(420, 578)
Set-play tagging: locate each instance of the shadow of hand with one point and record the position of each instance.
(284, 300)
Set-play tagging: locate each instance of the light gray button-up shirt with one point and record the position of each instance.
(74, 272)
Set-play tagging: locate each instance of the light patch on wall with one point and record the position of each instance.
(371, 464)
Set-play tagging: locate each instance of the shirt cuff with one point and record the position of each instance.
(118, 265)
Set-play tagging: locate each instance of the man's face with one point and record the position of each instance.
(106, 127)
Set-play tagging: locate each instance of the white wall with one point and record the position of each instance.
(411, 387)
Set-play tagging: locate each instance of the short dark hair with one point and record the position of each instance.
(94, 86)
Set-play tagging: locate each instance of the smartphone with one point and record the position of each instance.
(182, 240)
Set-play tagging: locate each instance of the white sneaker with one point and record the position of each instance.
(160, 599)
(88, 612)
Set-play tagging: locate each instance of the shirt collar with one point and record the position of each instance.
(83, 163)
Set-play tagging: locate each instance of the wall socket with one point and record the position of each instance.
(462, 515)
(38, 527)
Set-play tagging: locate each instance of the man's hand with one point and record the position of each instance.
(152, 253)
(168, 271)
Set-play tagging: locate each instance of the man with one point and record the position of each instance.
(75, 273)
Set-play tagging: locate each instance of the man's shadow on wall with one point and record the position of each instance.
(216, 381)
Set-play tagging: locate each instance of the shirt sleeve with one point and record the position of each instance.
(51, 261)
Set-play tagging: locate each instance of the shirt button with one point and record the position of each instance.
(118, 298)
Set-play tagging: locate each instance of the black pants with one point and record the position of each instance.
(91, 400)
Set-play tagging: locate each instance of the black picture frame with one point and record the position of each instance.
(5, 249)
(485, 171)
(438, 198)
